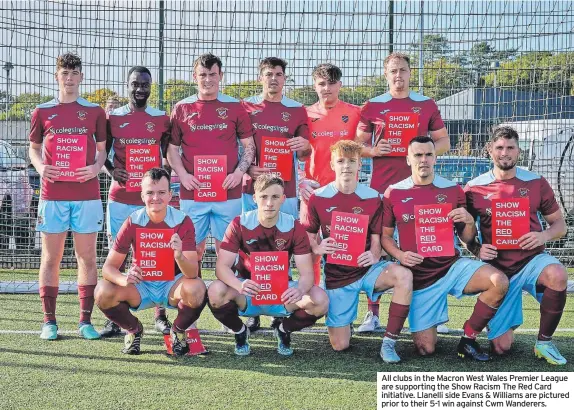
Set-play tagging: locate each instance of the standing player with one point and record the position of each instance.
(344, 283)
(265, 229)
(134, 124)
(274, 115)
(210, 123)
(117, 293)
(434, 278)
(64, 206)
(390, 170)
(529, 268)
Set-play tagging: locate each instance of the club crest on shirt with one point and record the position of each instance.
(345, 118)
(280, 244)
(416, 110)
(222, 112)
(357, 210)
(286, 116)
(441, 198)
(82, 115)
(489, 211)
(150, 126)
(523, 192)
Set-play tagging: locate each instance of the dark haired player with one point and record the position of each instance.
(65, 205)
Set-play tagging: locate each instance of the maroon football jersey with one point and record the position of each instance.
(481, 190)
(390, 170)
(211, 127)
(285, 119)
(399, 210)
(142, 128)
(80, 117)
(245, 235)
(325, 200)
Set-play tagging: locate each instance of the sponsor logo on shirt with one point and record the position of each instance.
(150, 126)
(207, 127)
(73, 130)
(489, 211)
(331, 209)
(286, 116)
(328, 228)
(441, 198)
(222, 112)
(280, 244)
(51, 117)
(250, 241)
(270, 128)
(404, 201)
(357, 210)
(416, 110)
(523, 192)
(82, 115)
(125, 124)
(407, 217)
(137, 141)
(345, 118)
(330, 134)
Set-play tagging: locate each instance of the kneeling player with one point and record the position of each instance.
(265, 229)
(527, 266)
(117, 293)
(368, 274)
(435, 277)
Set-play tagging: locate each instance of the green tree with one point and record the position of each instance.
(100, 96)
(243, 90)
(23, 105)
(435, 47)
(441, 79)
(480, 57)
(305, 95)
(173, 91)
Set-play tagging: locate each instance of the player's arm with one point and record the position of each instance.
(48, 172)
(406, 258)
(109, 144)
(382, 147)
(441, 141)
(557, 229)
(111, 270)
(245, 161)
(186, 179)
(186, 260)
(224, 272)
(164, 144)
(300, 141)
(304, 264)
(327, 246)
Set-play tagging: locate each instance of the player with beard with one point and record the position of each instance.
(372, 276)
(529, 268)
(265, 229)
(210, 123)
(134, 124)
(390, 170)
(119, 292)
(434, 278)
(274, 115)
(68, 205)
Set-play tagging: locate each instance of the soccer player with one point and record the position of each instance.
(134, 124)
(265, 229)
(210, 123)
(274, 115)
(390, 170)
(434, 278)
(529, 268)
(64, 205)
(117, 293)
(344, 283)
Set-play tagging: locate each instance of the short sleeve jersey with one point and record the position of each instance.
(210, 127)
(174, 219)
(141, 128)
(399, 210)
(54, 120)
(325, 200)
(484, 188)
(245, 235)
(327, 126)
(390, 170)
(285, 119)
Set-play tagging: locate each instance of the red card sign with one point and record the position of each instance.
(434, 230)
(211, 171)
(194, 342)
(400, 129)
(510, 220)
(140, 159)
(350, 232)
(69, 154)
(277, 156)
(154, 254)
(271, 271)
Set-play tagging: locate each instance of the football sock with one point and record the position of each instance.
(373, 306)
(480, 317)
(397, 315)
(86, 295)
(48, 295)
(299, 320)
(551, 309)
(186, 315)
(317, 271)
(122, 316)
(159, 312)
(228, 315)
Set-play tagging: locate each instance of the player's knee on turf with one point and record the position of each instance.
(320, 302)
(425, 345)
(104, 294)
(193, 292)
(503, 344)
(217, 294)
(555, 277)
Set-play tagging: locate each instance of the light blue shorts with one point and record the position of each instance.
(266, 310)
(212, 217)
(116, 214)
(344, 302)
(155, 293)
(76, 216)
(509, 314)
(288, 207)
(429, 307)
